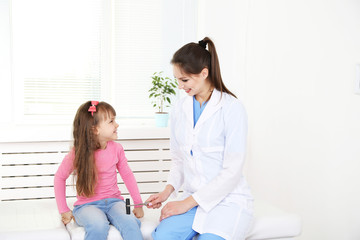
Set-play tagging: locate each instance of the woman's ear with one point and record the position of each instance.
(204, 73)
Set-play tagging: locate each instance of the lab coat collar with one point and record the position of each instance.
(215, 103)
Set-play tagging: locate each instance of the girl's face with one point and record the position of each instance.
(192, 84)
(106, 130)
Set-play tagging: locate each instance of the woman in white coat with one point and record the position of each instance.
(208, 143)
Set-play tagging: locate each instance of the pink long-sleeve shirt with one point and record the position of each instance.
(107, 162)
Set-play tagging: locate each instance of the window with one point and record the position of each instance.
(145, 36)
(56, 53)
(61, 53)
(137, 54)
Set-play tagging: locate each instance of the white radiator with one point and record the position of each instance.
(27, 169)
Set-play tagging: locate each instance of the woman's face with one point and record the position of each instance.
(192, 84)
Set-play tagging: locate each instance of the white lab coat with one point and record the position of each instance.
(213, 174)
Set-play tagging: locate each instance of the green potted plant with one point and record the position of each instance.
(160, 95)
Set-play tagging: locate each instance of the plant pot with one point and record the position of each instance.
(161, 119)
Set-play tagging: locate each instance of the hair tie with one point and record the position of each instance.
(202, 43)
(92, 108)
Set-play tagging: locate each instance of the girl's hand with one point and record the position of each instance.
(177, 207)
(138, 212)
(155, 200)
(66, 217)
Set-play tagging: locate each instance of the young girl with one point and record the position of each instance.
(94, 160)
(208, 143)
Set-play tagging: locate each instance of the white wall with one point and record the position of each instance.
(295, 64)
(225, 22)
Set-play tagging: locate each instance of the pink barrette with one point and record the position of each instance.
(92, 108)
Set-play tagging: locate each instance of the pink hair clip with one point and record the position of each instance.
(92, 108)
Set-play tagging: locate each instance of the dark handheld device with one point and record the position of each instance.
(127, 203)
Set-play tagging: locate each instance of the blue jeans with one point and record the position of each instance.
(96, 216)
(179, 227)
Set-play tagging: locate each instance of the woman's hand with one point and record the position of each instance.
(177, 207)
(156, 200)
(66, 217)
(138, 212)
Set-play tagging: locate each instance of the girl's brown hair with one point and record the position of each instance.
(192, 58)
(85, 145)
